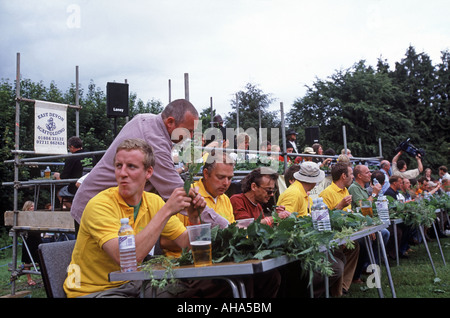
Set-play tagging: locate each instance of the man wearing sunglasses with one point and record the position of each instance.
(257, 187)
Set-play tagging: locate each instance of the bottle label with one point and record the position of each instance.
(319, 215)
(126, 242)
(321, 219)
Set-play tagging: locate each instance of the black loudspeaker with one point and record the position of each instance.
(116, 99)
(311, 135)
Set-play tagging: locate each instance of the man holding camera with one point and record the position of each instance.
(399, 167)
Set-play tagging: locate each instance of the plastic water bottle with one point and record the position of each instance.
(314, 213)
(383, 208)
(127, 247)
(320, 215)
(47, 173)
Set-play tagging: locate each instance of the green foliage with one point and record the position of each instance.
(411, 101)
(420, 212)
(294, 237)
(165, 263)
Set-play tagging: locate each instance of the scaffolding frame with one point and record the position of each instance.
(16, 230)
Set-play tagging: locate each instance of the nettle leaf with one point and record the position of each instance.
(187, 185)
(262, 254)
(280, 239)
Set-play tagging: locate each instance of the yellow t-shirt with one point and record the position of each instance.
(295, 199)
(100, 223)
(332, 195)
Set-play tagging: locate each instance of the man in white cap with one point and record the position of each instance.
(296, 198)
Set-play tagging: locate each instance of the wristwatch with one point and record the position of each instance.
(373, 195)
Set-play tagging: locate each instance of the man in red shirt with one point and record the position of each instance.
(257, 187)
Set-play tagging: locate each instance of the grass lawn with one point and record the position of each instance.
(413, 278)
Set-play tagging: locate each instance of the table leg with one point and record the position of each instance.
(242, 288)
(386, 263)
(439, 243)
(233, 286)
(369, 248)
(396, 243)
(426, 247)
(143, 286)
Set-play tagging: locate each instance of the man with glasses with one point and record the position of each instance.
(257, 187)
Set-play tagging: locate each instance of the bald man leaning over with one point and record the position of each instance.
(160, 131)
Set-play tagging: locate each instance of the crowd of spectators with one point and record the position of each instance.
(138, 179)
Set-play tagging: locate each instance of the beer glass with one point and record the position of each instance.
(200, 239)
(366, 208)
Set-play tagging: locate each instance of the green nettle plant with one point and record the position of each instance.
(420, 212)
(294, 237)
(191, 157)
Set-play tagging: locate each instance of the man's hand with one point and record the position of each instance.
(281, 211)
(345, 202)
(196, 207)
(376, 188)
(178, 201)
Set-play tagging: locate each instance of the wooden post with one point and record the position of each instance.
(170, 91)
(186, 86)
(283, 134)
(345, 139)
(77, 102)
(212, 111)
(237, 114)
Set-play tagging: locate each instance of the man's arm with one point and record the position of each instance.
(396, 157)
(419, 163)
(146, 239)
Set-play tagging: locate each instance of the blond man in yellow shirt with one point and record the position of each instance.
(96, 251)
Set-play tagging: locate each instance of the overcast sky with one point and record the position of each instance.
(279, 45)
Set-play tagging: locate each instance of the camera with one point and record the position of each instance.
(410, 149)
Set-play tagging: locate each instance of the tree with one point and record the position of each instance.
(252, 104)
(359, 98)
(411, 101)
(426, 90)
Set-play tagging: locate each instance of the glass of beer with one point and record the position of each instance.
(200, 239)
(366, 208)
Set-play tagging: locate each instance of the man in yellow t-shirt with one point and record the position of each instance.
(218, 172)
(295, 198)
(96, 251)
(337, 197)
